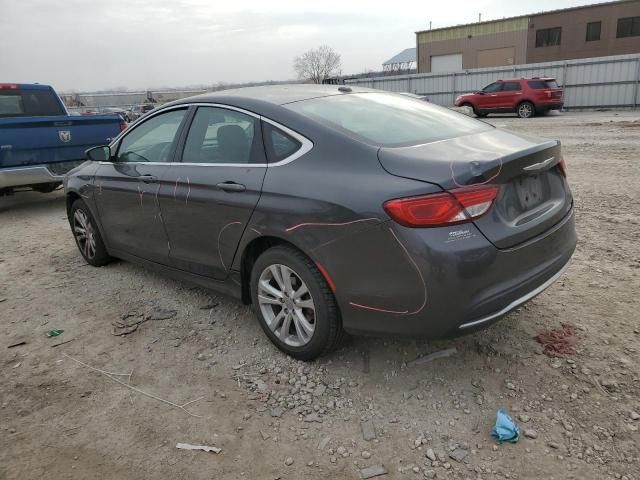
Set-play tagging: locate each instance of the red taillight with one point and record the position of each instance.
(447, 208)
(562, 166)
(548, 92)
(8, 86)
(123, 126)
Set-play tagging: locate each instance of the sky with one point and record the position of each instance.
(88, 45)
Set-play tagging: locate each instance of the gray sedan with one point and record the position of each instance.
(331, 209)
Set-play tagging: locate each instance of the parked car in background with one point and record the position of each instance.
(40, 142)
(524, 96)
(117, 111)
(138, 111)
(331, 209)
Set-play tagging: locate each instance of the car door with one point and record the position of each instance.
(508, 97)
(214, 189)
(127, 188)
(488, 99)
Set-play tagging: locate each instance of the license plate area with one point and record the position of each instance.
(529, 191)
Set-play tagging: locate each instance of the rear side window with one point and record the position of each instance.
(219, 135)
(280, 145)
(511, 87)
(542, 84)
(387, 120)
(30, 103)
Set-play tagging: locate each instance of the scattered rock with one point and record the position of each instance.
(459, 455)
(530, 433)
(313, 417)
(524, 418)
(319, 390)
(634, 415)
(277, 412)
(162, 314)
(288, 461)
(265, 435)
(368, 430)
(373, 471)
(323, 443)
(430, 454)
(366, 455)
(553, 445)
(201, 356)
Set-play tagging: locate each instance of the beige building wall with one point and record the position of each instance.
(573, 42)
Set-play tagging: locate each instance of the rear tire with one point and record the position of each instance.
(87, 236)
(305, 325)
(526, 110)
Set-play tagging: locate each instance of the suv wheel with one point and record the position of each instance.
(526, 110)
(294, 304)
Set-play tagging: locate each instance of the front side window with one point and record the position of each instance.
(152, 140)
(548, 37)
(593, 31)
(493, 87)
(219, 135)
(628, 27)
(387, 120)
(511, 87)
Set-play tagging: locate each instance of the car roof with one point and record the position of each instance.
(525, 78)
(276, 94)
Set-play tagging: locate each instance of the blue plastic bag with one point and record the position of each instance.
(505, 429)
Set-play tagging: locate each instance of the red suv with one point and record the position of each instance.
(524, 96)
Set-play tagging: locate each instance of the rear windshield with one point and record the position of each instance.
(388, 120)
(542, 84)
(29, 103)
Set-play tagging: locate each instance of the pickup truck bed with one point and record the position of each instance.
(39, 142)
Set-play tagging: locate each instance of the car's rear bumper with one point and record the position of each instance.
(35, 174)
(550, 106)
(448, 283)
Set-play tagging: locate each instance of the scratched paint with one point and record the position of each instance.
(186, 200)
(219, 236)
(175, 188)
(313, 224)
(140, 194)
(417, 269)
(256, 231)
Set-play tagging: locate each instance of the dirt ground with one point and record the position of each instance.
(275, 418)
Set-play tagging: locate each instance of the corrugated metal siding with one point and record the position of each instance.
(499, 26)
(589, 82)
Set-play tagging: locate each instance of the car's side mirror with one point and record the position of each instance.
(99, 154)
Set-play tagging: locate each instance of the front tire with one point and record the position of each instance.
(87, 235)
(294, 304)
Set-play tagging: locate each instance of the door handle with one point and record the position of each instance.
(231, 187)
(148, 178)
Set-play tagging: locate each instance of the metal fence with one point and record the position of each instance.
(602, 82)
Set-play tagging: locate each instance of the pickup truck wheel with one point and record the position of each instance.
(87, 236)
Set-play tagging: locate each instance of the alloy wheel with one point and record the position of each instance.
(525, 110)
(84, 233)
(286, 305)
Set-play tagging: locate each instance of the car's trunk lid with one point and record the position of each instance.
(533, 196)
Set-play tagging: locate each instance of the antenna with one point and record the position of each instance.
(429, 24)
(479, 17)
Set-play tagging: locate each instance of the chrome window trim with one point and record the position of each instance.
(305, 144)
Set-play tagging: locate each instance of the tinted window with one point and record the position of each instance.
(30, 103)
(628, 27)
(593, 31)
(218, 135)
(151, 141)
(493, 87)
(386, 119)
(511, 87)
(542, 84)
(280, 145)
(547, 37)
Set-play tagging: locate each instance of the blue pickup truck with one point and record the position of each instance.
(40, 142)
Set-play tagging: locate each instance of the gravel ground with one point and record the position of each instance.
(363, 410)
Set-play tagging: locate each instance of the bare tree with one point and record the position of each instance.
(318, 64)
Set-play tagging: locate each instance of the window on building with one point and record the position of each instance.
(547, 37)
(628, 27)
(593, 31)
(511, 87)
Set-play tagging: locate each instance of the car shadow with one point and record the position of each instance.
(33, 202)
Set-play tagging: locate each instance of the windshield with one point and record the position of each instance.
(388, 120)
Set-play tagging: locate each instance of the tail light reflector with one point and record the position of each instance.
(562, 166)
(439, 209)
(123, 126)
